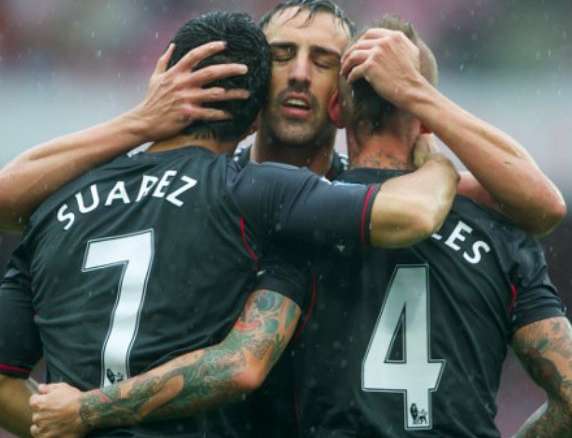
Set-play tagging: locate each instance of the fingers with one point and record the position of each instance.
(357, 57)
(207, 114)
(216, 94)
(163, 60)
(34, 431)
(357, 73)
(34, 401)
(216, 72)
(377, 32)
(195, 56)
(359, 45)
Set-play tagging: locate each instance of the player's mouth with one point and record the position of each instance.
(296, 106)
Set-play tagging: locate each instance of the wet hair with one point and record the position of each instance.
(372, 112)
(246, 44)
(313, 7)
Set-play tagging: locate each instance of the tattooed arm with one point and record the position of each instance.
(545, 349)
(190, 383)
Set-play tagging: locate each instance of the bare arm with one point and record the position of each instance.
(501, 165)
(185, 385)
(15, 411)
(410, 208)
(173, 100)
(545, 349)
(389, 61)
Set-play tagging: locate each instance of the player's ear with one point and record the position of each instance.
(335, 110)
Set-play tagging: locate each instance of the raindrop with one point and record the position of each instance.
(99, 53)
(156, 35)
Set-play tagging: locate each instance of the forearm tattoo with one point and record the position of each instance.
(200, 379)
(545, 350)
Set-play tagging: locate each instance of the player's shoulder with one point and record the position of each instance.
(501, 232)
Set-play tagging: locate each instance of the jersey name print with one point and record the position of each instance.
(158, 187)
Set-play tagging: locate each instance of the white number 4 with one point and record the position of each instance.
(134, 252)
(416, 376)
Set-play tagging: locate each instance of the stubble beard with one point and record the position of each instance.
(298, 134)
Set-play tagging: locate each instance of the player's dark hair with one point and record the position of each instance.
(372, 113)
(313, 7)
(246, 44)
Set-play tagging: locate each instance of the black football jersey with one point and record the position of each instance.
(151, 256)
(410, 342)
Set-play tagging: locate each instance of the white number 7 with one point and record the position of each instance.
(135, 253)
(416, 376)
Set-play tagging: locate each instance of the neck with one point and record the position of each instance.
(317, 159)
(180, 141)
(380, 151)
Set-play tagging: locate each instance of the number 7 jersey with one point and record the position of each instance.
(152, 256)
(411, 342)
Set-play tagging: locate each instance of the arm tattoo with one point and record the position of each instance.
(545, 350)
(203, 378)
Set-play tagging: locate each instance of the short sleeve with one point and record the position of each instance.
(535, 297)
(285, 202)
(20, 345)
(284, 272)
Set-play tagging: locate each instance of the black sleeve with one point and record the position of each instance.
(284, 272)
(20, 345)
(535, 297)
(285, 202)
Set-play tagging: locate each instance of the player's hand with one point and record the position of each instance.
(425, 147)
(55, 412)
(175, 96)
(388, 60)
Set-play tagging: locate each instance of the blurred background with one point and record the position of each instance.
(68, 64)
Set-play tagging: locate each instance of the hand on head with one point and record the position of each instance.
(387, 59)
(176, 95)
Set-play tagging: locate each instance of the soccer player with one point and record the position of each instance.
(151, 257)
(411, 342)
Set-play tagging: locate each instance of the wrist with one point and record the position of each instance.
(136, 125)
(419, 96)
(86, 417)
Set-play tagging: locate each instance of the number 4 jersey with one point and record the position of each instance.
(411, 342)
(151, 256)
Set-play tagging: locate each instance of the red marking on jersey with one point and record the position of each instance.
(514, 295)
(248, 248)
(308, 315)
(13, 369)
(364, 214)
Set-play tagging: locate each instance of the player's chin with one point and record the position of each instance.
(296, 134)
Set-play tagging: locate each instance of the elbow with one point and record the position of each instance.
(551, 214)
(555, 213)
(428, 221)
(252, 377)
